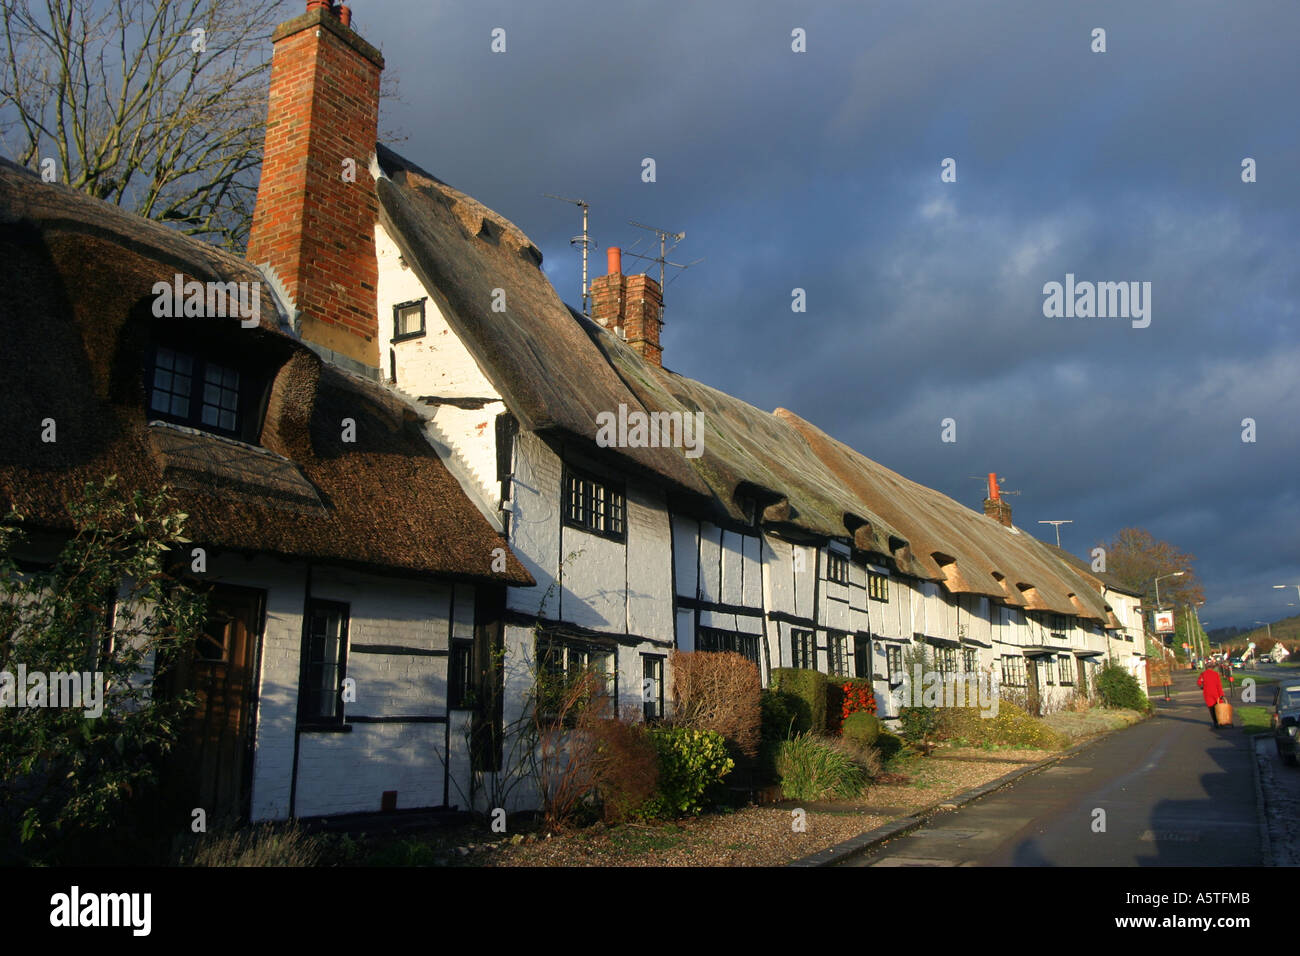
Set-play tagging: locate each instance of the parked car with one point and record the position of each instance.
(1285, 719)
(1236, 662)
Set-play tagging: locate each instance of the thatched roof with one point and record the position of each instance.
(75, 319)
(552, 377)
(558, 370)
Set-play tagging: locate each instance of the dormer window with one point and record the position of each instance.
(191, 390)
(408, 320)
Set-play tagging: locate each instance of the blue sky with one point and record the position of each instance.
(821, 170)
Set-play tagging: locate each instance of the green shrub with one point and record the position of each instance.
(691, 764)
(921, 726)
(1118, 688)
(780, 714)
(812, 769)
(809, 687)
(888, 744)
(862, 728)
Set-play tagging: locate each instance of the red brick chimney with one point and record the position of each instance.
(995, 506)
(316, 209)
(629, 306)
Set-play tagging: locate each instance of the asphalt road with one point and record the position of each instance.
(1168, 792)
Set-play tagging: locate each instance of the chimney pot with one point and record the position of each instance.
(345, 15)
(614, 256)
(993, 486)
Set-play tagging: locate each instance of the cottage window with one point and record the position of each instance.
(712, 639)
(894, 664)
(594, 505)
(877, 586)
(837, 645)
(969, 660)
(324, 662)
(408, 320)
(652, 686)
(945, 659)
(1013, 671)
(191, 390)
(573, 674)
(802, 652)
(837, 568)
(460, 675)
(1065, 671)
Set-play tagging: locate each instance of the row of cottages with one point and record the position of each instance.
(404, 478)
(756, 533)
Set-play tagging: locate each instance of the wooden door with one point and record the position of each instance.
(216, 748)
(1031, 679)
(1083, 675)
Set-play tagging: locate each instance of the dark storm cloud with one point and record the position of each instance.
(821, 171)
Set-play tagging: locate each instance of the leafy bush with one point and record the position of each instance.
(780, 714)
(1015, 727)
(888, 745)
(921, 726)
(624, 767)
(719, 692)
(1118, 688)
(862, 728)
(691, 764)
(811, 768)
(809, 687)
(75, 788)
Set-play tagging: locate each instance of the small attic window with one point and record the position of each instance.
(408, 320)
(191, 390)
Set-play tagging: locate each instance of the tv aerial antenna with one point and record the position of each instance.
(1058, 529)
(584, 240)
(664, 249)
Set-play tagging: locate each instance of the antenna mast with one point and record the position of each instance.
(1058, 529)
(664, 235)
(584, 240)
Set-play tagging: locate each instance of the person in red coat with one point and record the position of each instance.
(1211, 689)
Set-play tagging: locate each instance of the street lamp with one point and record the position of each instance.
(1161, 577)
(1269, 626)
(1281, 587)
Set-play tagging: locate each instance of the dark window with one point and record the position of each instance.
(1044, 665)
(837, 645)
(969, 660)
(877, 586)
(190, 390)
(894, 664)
(1065, 671)
(652, 686)
(862, 657)
(324, 663)
(802, 651)
(594, 506)
(1013, 671)
(837, 568)
(460, 675)
(711, 639)
(408, 320)
(1059, 625)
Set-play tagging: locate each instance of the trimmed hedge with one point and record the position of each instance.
(780, 714)
(862, 728)
(808, 688)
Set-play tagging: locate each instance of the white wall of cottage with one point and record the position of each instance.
(349, 772)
